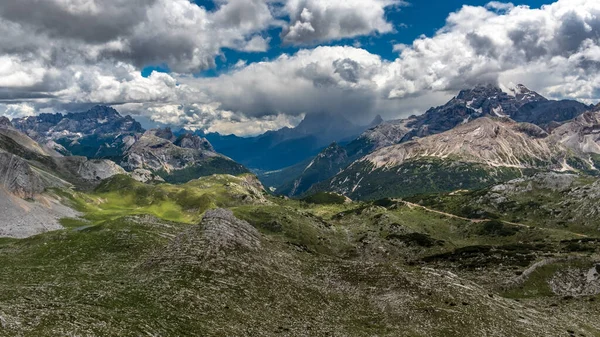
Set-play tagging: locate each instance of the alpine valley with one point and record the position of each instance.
(475, 218)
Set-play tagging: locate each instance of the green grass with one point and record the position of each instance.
(136, 265)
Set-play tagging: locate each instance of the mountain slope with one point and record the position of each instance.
(156, 150)
(473, 155)
(519, 103)
(27, 171)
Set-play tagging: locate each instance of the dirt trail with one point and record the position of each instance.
(413, 205)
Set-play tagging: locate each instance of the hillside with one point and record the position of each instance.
(151, 259)
(28, 173)
(518, 103)
(470, 156)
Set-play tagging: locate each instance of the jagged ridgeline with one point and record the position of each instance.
(102, 133)
(482, 136)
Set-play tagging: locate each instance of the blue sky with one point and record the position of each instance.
(177, 62)
(418, 18)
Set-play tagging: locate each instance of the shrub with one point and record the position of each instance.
(325, 198)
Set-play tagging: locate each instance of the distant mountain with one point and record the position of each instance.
(474, 155)
(520, 103)
(28, 170)
(274, 150)
(102, 133)
(177, 159)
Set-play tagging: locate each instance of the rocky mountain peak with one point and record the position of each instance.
(376, 121)
(164, 133)
(524, 95)
(5, 122)
(99, 112)
(192, 141)
(479, 92)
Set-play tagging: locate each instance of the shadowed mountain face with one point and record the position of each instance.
(100, 132)
(519, 103)
(274, 150)
(100, 120)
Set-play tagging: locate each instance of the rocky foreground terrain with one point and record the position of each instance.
(218, 256)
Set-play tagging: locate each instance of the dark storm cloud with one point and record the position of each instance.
(482, 45)
(93, 22)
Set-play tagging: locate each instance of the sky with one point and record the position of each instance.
(248, 66)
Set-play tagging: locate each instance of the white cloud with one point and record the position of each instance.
(501, 6)
(315, 21)
(536, 46)
(554, 50)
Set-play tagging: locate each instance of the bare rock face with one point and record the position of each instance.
(222, 230)
(191, 141)
(90, 170)
(17, 176)
(5, 122)
(99, 169)
(152, 152)
(145, 176)
(576, 282)
(165, 133)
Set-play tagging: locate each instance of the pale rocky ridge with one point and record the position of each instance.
(495, 143)
(516, 102)
(155, 151)
(27, 171)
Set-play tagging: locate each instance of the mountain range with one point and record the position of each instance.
(102, 133)
(518, 104)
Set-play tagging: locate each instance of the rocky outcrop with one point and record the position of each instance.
(192, 141)
(222, 230)
(18, 177)
(576, 282)
(145, 176)
(218, 237)
(5, 122)
(174, 163)
(157, 153)
(96, 169)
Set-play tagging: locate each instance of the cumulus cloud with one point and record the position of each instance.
(480, 44)
(314, 21)
(554, 50)
(140, 32)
